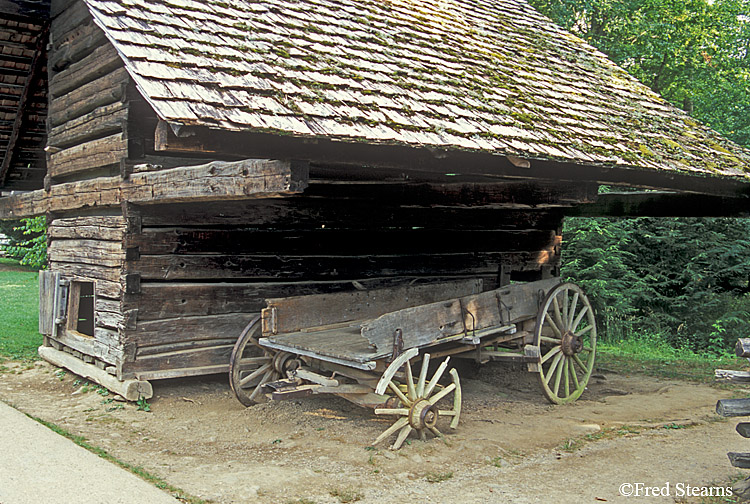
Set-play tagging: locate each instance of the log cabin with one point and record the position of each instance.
(202, 157)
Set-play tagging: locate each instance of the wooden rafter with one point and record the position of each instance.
(36, 62)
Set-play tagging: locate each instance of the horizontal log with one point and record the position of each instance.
(741, 460)
(733, 407)
(175, 299)
(182, 329)
(312, 268)
(194, 358)
(72, 44)
(174, 373)
(732, 375)
(132, 390)
(103, 91)
(100, 122)
(742, 348)
(103, 60)
(94, 252)
(741, 489)
(329, 241)
(107, 151)
(105, 345)
(308, 211)
(217, 180)
(110, 228)
(90, 271)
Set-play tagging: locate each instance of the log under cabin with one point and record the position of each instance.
(205, 156)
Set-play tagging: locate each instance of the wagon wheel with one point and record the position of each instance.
(251, 365)
(418, 409)
(566, 334)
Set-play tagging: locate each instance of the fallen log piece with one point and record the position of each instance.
(733, 407)
(732, 376)
(742, 349)
(741, 460)
(743, 429)
(132, 390)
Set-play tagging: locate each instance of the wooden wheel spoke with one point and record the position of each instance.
(546, 339)
(558, 376)
(391, 411)
(436, 432)
(580, 363)
(565, 308)
(436, 378)
(247, 379)
(390, 430)
(572, 311)
(550, 354)
(411, 391)
(578, 318)
(447, 390)
(552, 324)
(558, 317)
(402, 436)
(259, 387)
(404, 400)
(566, 372)
(574, 376)
(423, 375)
(553, 367)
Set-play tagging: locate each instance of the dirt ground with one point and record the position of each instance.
(511, 445)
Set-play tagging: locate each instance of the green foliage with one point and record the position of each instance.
(31, 248)
(695, 53)
(687, 280)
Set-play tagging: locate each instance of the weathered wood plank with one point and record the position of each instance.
(213, 181)
(100, 122)
(733, 407)
(104, 345)
(103, 91)
(108, 280)
(131, 390)
(308, 212)
(73, 43)
(94, 252)
(296, 313)
(315, 268)
(427, 323)
(170, 331)
(103, 60)
(743, 429)
(47, 284)
(94, 228)
(107, 151)
(181, 359)
(331, 241)
(732, 375)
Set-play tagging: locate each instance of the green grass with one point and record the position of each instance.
(19, 306)
(650, 356)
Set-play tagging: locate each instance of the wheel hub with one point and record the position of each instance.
(571, 344)
(285, 361)
(423, 415)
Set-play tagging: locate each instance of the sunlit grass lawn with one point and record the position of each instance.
(648, 355)
(19, 306)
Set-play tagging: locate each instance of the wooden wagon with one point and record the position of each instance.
(196, 158)
(361, 346)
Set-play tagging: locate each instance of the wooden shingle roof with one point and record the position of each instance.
(477, 75)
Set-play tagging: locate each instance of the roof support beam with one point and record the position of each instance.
(358, 161)
(36, 63)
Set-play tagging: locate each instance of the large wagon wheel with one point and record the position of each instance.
(251, 365)
(566, 334)
(418, 409)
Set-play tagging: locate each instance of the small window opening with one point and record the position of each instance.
(81, 312)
